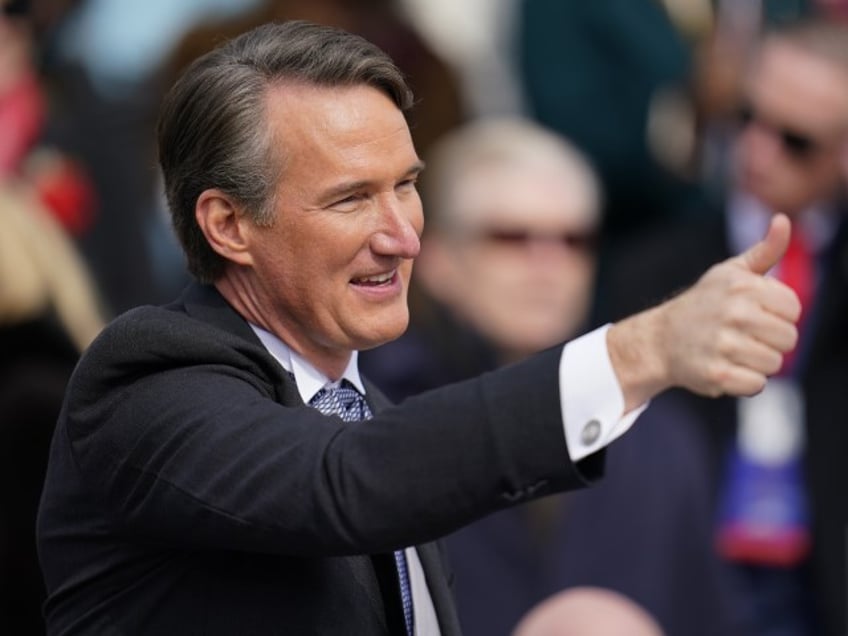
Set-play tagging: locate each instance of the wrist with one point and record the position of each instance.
(635, 347)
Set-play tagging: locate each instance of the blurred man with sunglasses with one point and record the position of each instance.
(781, 511)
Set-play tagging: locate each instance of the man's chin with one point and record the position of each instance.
(383, 336)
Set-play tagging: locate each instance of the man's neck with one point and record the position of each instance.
(330, 362)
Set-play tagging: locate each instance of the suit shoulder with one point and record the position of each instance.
(150, 331)
(149, 341)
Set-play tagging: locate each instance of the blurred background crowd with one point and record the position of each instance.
(585, 160)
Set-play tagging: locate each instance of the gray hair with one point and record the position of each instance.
(212, 129)
(824, 38)
(500, 141)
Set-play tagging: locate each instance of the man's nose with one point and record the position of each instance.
(399, 228)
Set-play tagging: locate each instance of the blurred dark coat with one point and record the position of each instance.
(36, 360)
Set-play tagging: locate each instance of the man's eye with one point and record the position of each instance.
(407, 186)
(348, 201)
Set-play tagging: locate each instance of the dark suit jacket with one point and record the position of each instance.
(669, 261)
(190, 491)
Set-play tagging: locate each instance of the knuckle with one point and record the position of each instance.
(756, 385)
(773, 363)
(793, 337)
(717, 375)
(788, 339)
(724, 344)
(795, 308)
(738, 314)
(787, 300)
(742, 283)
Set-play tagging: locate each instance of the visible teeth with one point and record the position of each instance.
(379, 278)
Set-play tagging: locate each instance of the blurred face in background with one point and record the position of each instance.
(795, 121)
(517, 260)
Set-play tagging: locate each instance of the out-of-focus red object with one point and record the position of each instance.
(64, 189)
(22, 113)
(60, 183)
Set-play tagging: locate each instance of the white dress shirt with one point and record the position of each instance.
(592, 413)
(748, 219)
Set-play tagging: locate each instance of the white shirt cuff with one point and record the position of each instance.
(590, 397)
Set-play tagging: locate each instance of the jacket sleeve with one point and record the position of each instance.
(189, 453)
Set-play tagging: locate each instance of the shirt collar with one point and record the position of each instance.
(748, 220)
(308, 379)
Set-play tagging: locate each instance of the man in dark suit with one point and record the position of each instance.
(208, 474)
(789, 158)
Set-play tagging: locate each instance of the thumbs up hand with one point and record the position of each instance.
(724, 335)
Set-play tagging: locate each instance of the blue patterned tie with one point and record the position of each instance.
(347, 403)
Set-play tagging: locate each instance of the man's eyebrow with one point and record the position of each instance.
(352, 186)
(416, 168)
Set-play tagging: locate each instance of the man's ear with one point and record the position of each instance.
(223, 224)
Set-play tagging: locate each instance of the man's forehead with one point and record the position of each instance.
(332, 138)
(792, 78)
(308, 110)
(521, 193)
(293, 93)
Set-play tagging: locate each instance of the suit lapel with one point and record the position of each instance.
(205, 303)
(433, 564)
(430, 554)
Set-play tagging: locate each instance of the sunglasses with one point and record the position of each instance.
(796, 144)
(578, 241)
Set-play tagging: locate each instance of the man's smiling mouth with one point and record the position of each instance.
(375, 280)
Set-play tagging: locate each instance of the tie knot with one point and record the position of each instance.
(343, 401)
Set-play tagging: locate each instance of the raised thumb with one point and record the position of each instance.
(761, 257)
